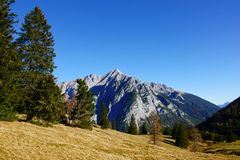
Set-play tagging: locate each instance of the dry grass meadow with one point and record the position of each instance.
(224, 148)
(19, 140)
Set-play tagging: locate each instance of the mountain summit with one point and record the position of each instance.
(125, 95)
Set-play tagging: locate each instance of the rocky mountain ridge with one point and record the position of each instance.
(125, 95)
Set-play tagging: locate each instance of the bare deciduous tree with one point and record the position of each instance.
(68, 109)
(195, 137)
(155, 129)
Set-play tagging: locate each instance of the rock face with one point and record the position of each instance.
(125, 95)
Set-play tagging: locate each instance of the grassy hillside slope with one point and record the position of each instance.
(20, 140)
(224, 148)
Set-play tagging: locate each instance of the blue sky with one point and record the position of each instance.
(190, 45)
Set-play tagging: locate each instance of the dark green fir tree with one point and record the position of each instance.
(132, 129)
(231, 137)
(181, 136)
(174, 130)
(114, 125)
(9, 63)
(103, 121)
(84, 108)
(42, 97)
(143, 128)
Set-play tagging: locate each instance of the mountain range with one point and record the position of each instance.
(224, 104)
(126, 95)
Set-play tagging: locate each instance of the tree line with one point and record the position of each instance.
(223, 125)
(27, 83)
(181, 133)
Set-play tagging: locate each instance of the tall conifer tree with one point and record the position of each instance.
(143, 129)
(132, 129)
(181, 136)
(84, 108)
(104, 117)
(9, 62)
(42, 97)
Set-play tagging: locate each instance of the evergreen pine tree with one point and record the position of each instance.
(114, 125)
(103, 117)
(9, 62)
(132, 129)
(167, 131)
(181, 136)
(84, 108)
(174, 130)
(231, 137)
(143, 128)
(42, 97)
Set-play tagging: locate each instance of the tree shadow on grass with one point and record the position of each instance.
(169, 142)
